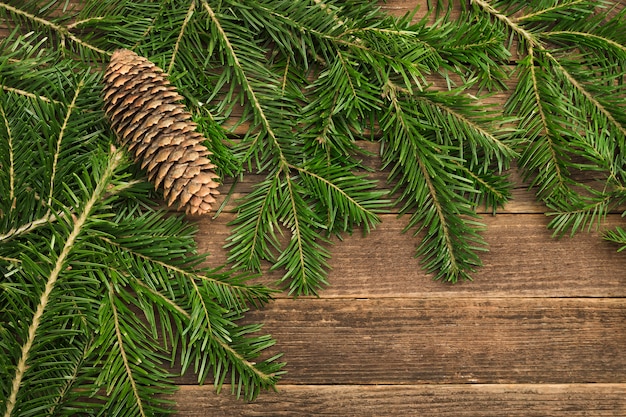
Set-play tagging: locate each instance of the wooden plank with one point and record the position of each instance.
(447, 340)
(522, 200)
(523, 261)
(523, 400)
(401, 7)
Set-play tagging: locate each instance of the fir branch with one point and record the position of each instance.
(303, 258)
(569, 86)
(243, 80)
(28, 94)
(187, 300)
(432, 192)
(256, 226)
(11, 151)
(125, 360)
(618, 236)
(493, 191)
(574, 36)
(114, 162)
(181, 33)
(230, 292)
(542, 155)
(63, 31)
(337, 184)
(481, 138)
(66, 391)
(579, 87)
(57, 150)
(304, 266)
(265, 378)
(592, 213)
(128, 357)
(508, 22)
(559, 7)
(29, 227)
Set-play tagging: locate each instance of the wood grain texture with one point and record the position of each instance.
(524, 260)
(448, 340)
(517, 400)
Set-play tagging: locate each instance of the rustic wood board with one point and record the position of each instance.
(448, 340)
(496, 400)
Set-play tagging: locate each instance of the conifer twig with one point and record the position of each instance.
(125, 359)
(63, 31)
(30, 95)
(30, 226)
(21, 368)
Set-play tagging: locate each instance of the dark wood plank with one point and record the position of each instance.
(523, 261)
(448, 340)
(567, 400)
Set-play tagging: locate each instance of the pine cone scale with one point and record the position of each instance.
(146, 113)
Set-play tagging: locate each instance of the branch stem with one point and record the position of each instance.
(542, 114)
(591, 97)
(57, 151)
(28, 94)
(549, 9)
(181, 33)
(528, 36)
(63, 31)
(120, 344)
(245, 83)
(11, 159)
(48, 217)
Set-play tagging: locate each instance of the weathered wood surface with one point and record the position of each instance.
(539, 332)
(453, 400)
(448, 340)
(523, 261)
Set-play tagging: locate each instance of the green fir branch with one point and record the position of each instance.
(64, 32)
(77, 228)
(432, 192)
(82, 251)
(570, 84)
(617, 236)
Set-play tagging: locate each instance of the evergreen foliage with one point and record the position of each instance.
(569, 98)
(101, 290)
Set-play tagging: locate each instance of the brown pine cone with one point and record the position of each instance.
(147, 115)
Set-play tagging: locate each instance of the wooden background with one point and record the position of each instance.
(540, 332)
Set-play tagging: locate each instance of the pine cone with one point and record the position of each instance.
(146, 113)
